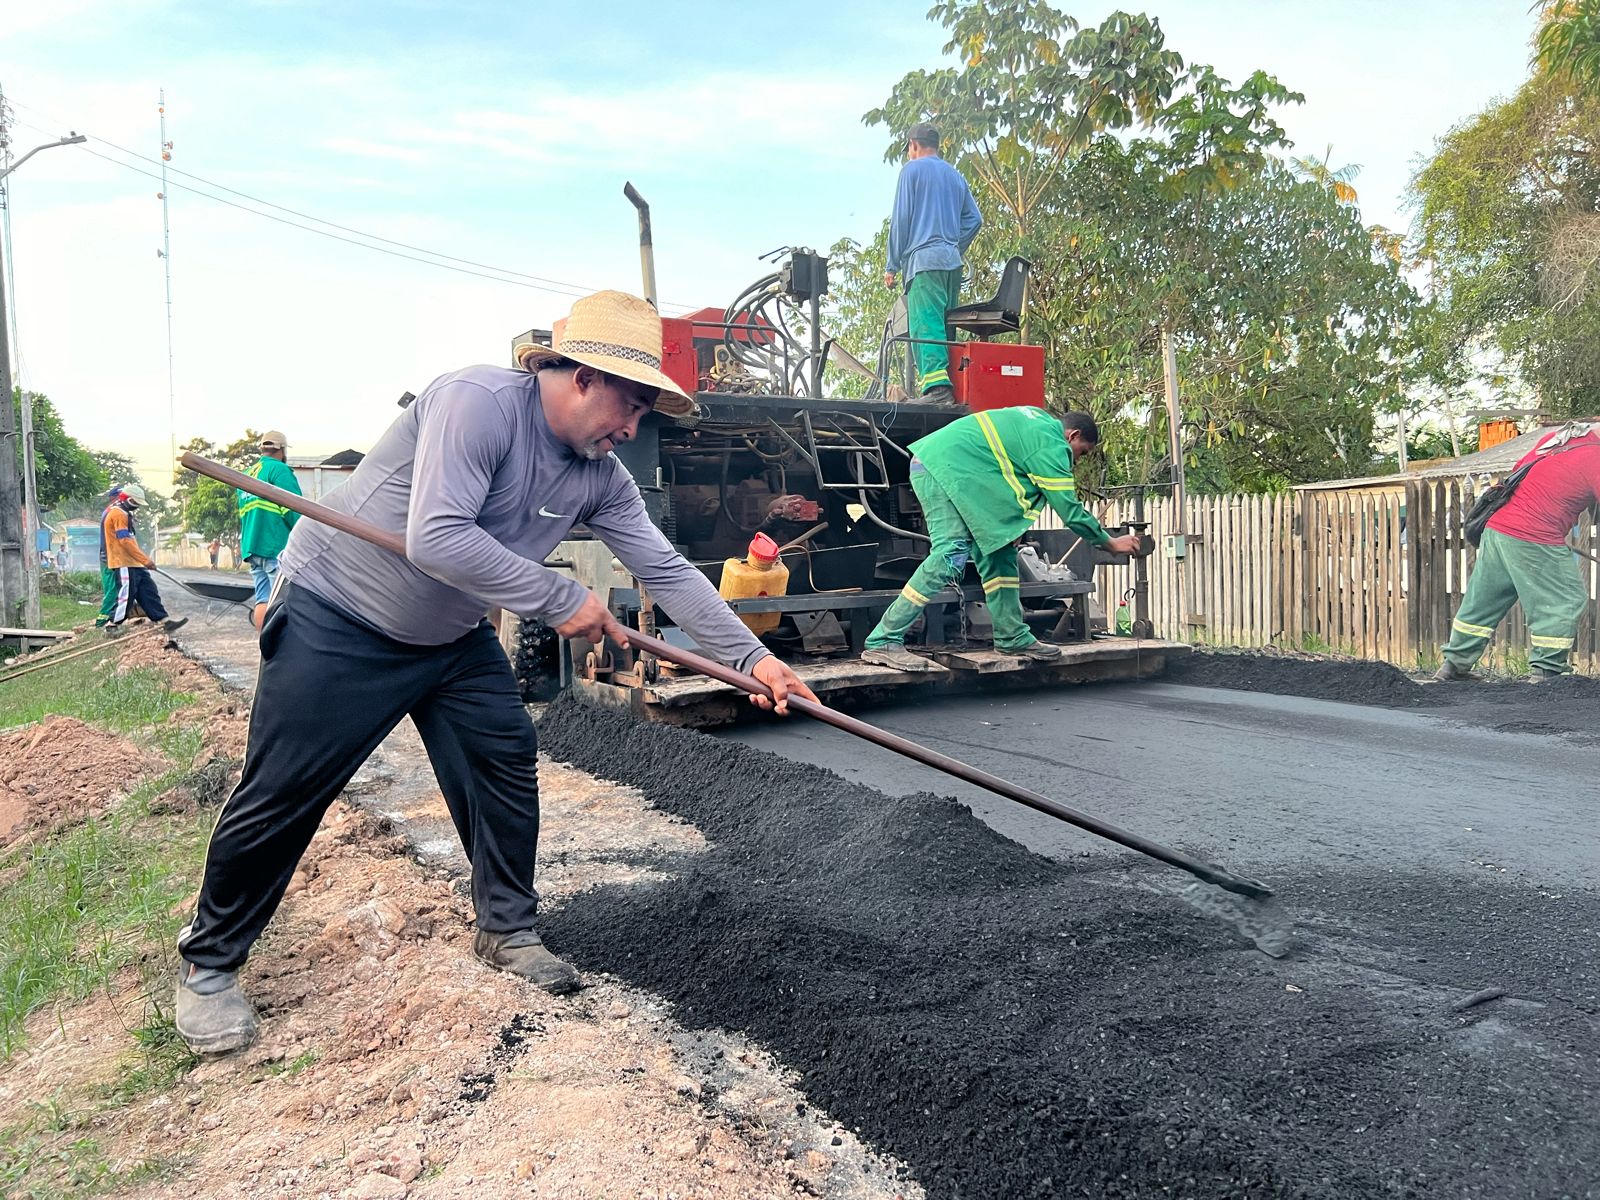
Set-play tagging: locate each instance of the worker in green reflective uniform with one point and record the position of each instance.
(264, 526)
(981, 481)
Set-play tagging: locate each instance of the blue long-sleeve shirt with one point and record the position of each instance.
(934, 220)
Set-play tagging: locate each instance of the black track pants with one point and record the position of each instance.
(330, 690)
(135, 585)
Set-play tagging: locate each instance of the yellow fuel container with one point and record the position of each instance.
(760, 573)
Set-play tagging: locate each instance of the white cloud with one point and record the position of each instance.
(369, 149)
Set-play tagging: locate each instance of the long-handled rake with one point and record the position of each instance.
(1244, 904)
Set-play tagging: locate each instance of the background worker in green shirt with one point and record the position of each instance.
(981, 481)
(264, 526)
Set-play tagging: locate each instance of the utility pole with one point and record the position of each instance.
(1180, 515)
(19, 564)
(13, 556)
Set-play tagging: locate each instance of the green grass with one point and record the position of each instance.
(290, 1069)
(92, 900)
(38, 1163)
(163, 1060)
(87, 688)
(87, 903)
(68, 600)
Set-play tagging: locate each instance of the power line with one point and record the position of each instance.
(336, 237)
(555, 286)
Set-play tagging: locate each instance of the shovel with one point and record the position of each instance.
(1244, 904)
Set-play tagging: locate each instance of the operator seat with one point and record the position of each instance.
(1003, 313)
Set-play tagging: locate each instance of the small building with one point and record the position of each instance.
(1480, 467)
(318, 475)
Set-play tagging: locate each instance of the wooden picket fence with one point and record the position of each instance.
(1375, 573)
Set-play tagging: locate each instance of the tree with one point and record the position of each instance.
(1569, 43)
(63, 469)
(1287, 313)
(1508, 226)
(208, 506)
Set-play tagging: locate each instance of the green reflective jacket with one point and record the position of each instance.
(1001, 468)
(264, 526)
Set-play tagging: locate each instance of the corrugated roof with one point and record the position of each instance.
(1496, 460)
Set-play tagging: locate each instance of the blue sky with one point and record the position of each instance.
(502, 133)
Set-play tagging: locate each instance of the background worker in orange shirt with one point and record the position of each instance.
(130, 566)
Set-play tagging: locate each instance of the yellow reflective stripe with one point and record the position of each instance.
(1472, 630)
(990, 586)
(1551, 643)
(910, 593)
(992, 436)
(1054, 481)
(264, 505)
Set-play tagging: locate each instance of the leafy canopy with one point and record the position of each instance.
(1150, 197)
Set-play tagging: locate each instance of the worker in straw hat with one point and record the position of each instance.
(483, 474)
(264, 526)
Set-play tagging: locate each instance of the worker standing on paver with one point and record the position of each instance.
(933, 222)
(484, 473)
(981, 481)
(264, 526)
(1523, 556)
(130, 566)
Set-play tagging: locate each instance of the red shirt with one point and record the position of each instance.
(1548, 502)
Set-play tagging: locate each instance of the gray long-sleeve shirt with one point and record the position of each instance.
(483, 491)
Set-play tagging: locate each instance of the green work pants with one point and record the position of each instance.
(1549, 584)
(947, 559)
(930, 295)
(108, 595)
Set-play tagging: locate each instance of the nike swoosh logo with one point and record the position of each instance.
(545, 512)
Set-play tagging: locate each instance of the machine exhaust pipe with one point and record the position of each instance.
(647, 253)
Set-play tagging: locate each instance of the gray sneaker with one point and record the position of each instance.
(523, 953)
(173, 624)
(1538, 676)
(1448, 672)
(897, 657)
(211, 1014)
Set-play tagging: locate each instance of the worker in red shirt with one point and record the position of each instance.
(1524, 556)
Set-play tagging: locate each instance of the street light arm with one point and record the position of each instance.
(66, 141)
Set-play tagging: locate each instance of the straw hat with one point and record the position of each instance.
(619, 334)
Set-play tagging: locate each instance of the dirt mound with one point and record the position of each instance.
(1354, 681)
(61, 770)
(224, 716)
(1035, 1029)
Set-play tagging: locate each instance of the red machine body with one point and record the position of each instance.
(988, 375)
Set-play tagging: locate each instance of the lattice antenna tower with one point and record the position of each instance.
(165, 254)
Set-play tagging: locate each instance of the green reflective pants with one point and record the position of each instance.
(946, 562)
(1552, 589)
(108, 595)
(930, 295)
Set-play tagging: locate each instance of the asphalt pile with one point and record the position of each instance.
(1566, 706)
(1353, 681)
(1010, 1025)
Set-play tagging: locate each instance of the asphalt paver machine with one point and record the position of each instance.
(828, 479)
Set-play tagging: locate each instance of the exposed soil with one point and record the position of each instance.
(60, 771)
(1013, 1026)
(393, 1064)
(1353, 681)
